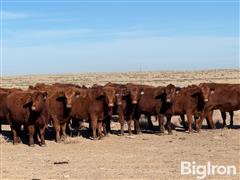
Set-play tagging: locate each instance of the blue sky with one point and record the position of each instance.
(68, 37)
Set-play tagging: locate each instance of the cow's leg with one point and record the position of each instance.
(31, 131)
(183, 121)
(63, 128)
(100, 134)
(42, 134)
(129, 123)
(169, 128)
(70, 127)
(57, 128)
(209, 118)
(0, 126)
(107, 124)
(189, 118)
(231, 119)
(136, 118)
(161, 124)
(200, 120)
(19, 133)
(94, 125)
(224, 116)
(150, 124)
(137, 126)
(121, 121)
(15, 135)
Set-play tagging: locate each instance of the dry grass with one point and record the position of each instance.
(179, 78)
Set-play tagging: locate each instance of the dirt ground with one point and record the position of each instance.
(145, 156)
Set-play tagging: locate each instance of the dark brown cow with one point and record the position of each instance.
(28, 108)
(4, 92)
(90, 108)
(3, 109)
(181, 101)
(116, 101)
(225, 97)
(149, 105)
(60, 101)
(124, 103)
(134, 94)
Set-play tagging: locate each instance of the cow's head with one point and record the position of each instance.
(36, 100)
(135, 93)
(68, 96)
(71, 94)
(171, 92)
(206, 91)
(110, 95)
(121, 94)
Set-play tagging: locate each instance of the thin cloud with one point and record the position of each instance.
(7, 15)
(25, 37)
(60, 32)
(42, 36)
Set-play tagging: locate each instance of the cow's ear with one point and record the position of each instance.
(125, 91)
(178, 90)
(100, 94)
(77, 94)
(27, 102)
(30, 87)
(60, 95)
(159, 93)
(212, 90)
(45, 94)
(195, 92)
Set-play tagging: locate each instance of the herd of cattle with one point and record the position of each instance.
(65, 106)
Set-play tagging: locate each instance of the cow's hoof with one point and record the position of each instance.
(121, 134)
(94, 138)
(213, 127)
(100, 137)
(43, 145)
(160, 134)
(31, 145)
(198, 131)
(138, 132)
(225, 127)
(107, 135)
(63, 138)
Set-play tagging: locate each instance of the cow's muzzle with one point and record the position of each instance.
(168, 100)
(110, 105)
(134, 102)
(69, 106)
